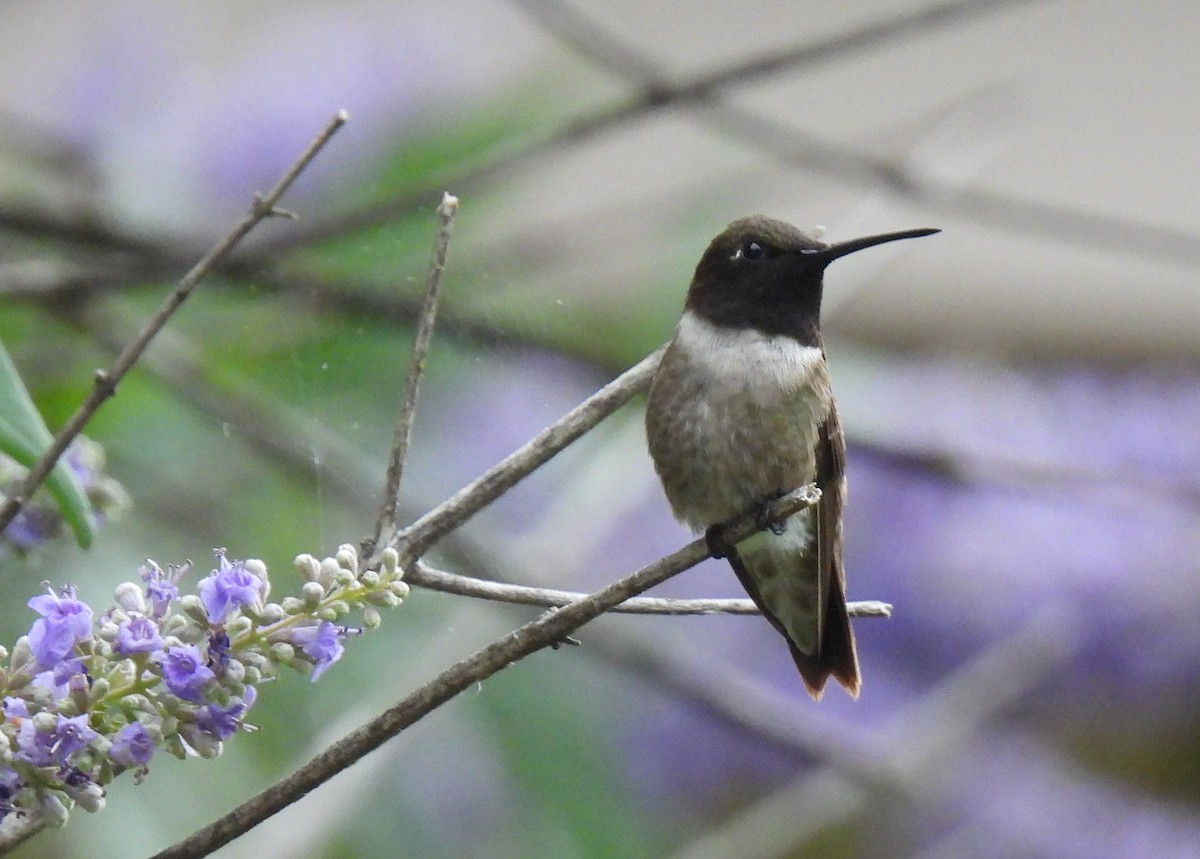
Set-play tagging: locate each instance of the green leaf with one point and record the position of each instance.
(24, 437)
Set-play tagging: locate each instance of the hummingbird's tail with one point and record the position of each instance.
(812, 618)
(836, 656)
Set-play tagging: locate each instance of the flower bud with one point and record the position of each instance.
(347, 557)
(308, 567)
(89, 795)
(239, 626)
(52, 809)
(131, 597)
(293, 605)
(312, 593)
(259, 570)
(329, 569)
(193, 607)
(390, 562)
(387, 598)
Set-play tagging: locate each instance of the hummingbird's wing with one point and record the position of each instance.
(836, 655)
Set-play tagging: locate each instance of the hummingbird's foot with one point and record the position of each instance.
(566, 639)
(762, 518)
(718, 547)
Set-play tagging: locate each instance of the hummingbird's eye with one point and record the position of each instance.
(752, 250)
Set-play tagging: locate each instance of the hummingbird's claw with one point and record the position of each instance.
(715, 540)
(762, 518)
(566, 639)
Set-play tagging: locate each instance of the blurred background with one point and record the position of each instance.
(1021, 395)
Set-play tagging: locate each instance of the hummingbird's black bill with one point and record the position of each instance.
(827, 255)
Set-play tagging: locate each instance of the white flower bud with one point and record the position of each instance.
(347, 557)
(52, 809)
(293, 605)
(312, 593)
(329, 570)
(235, 671)
(386, 598)
(193, 607)
(390, 559)
(131, 597)
(90, 795)
(272, 613)
(371, 617)
(259, 569)
(308, 566)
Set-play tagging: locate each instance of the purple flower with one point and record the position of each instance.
(185, 673)
(218, 651)
(64, 622)
(132, 747)
(161, 586)
(72, 735)
(58, 678)
(15, 708)
(138, 634)
(222, 721)
(57, 747)
(10, 785)
(32, 527)
(321, 643)
(229, 586)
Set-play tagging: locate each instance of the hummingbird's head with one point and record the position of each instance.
(766, 274)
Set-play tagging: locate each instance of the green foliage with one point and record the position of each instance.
(24, 437)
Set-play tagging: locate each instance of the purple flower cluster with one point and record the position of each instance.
(40, 521)
(86, 697)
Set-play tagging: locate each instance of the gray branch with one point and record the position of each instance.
(385, 526)
(106, 380)
(431, 578)
(549, 629)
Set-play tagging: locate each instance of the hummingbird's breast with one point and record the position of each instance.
(733, 418)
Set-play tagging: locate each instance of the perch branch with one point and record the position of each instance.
(385, 526)
(546, 630)
(430, 578)
(106, 380)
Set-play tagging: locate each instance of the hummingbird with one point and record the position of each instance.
(741, 412)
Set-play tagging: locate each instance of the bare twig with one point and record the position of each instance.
(385, 527)
(548, 629)
(414, 540)
(657, 95)
(425, 576)
(106, 380)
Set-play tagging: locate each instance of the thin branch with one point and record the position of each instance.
(106, 380)
(385, 527)
(413, 541)
(657, 95)
(431, 578)
(546, 630)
